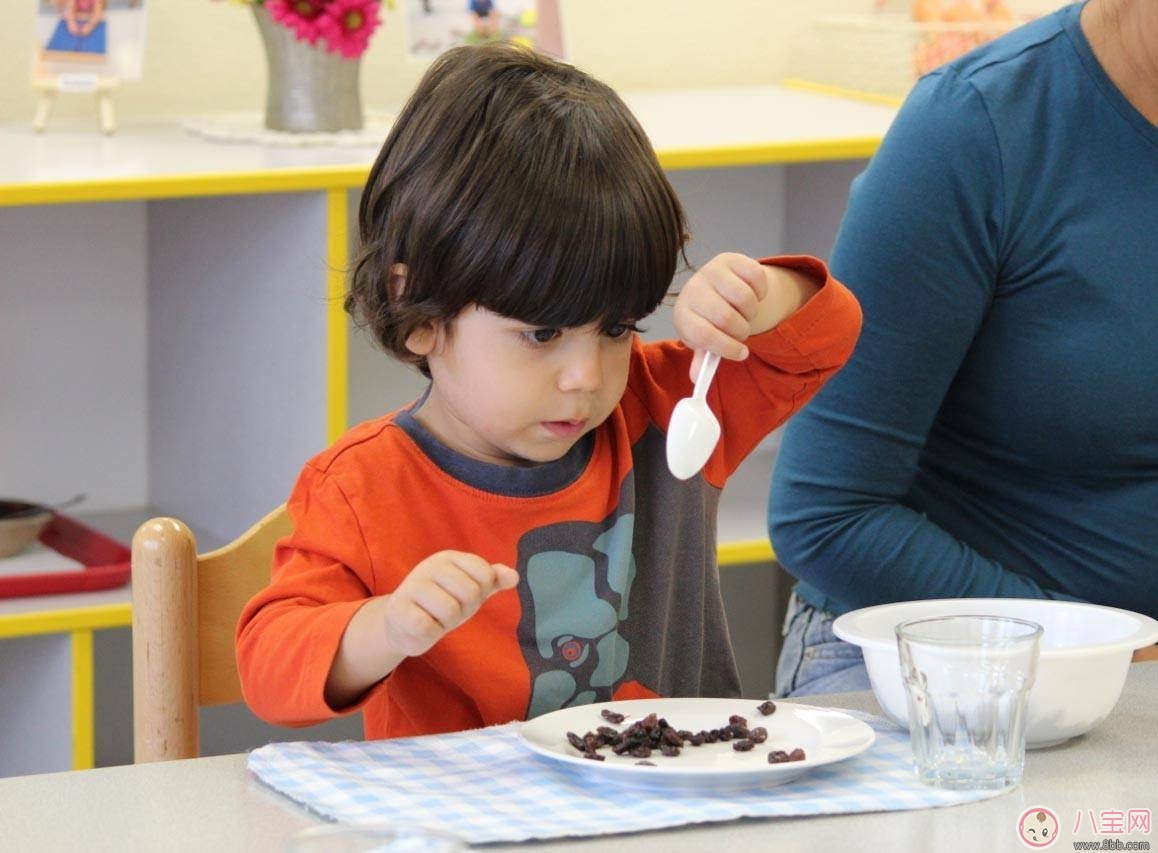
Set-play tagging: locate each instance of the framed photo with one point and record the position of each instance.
(105, 38)
(433, 26)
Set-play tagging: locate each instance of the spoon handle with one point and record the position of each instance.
(38, 508)
(707, 373)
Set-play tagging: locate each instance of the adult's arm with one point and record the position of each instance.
(919, 246)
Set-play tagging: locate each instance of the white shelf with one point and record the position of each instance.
(691, 128)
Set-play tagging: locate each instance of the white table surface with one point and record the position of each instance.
(677, 122)
(212, 804)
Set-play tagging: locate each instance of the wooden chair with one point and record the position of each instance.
(185, 611)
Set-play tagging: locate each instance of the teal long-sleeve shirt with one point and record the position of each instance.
(996, 430)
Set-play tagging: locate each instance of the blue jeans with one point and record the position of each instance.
(812, 659)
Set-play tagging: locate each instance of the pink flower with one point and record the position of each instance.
(346, 25)
(301, 16)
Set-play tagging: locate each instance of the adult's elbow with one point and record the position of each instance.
(797, 527)
(788, 537)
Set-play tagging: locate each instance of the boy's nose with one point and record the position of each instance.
(582, 371)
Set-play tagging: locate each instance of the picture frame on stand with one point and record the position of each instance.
(86, 47)
(434, 26)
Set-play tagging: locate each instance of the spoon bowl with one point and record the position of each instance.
(694, 430)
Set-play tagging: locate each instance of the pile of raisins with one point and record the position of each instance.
(653, 733)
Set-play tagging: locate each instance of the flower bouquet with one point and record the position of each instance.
(313, 48)
(343, 27)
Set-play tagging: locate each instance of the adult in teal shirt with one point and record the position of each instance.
(996, 431)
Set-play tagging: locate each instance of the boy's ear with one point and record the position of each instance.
(423, 339)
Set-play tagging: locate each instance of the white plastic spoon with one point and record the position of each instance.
(694, 431)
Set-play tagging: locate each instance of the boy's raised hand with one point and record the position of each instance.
(716, 307)
(731, 298)
(438, 595)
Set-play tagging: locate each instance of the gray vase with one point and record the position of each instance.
(309, 90)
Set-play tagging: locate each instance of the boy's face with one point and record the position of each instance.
(510, 393)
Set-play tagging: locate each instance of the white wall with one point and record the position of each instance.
(72, 353)
(204, 56)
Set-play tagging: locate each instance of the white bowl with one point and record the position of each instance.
(1085, 654)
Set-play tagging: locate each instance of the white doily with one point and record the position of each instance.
(250, 127)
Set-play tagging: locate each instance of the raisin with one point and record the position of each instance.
(652, 732)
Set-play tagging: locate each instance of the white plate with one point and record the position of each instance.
(826, 736)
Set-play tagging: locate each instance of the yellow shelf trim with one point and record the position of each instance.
(83, 753)
(337, 344)
(744, 552)
(64, 621)
(841, 92)
(144, 188)
(763, 154)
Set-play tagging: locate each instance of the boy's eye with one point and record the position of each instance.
(541, 336)
(619, 330)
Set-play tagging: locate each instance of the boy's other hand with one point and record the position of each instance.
(441, 593)
(438, 595)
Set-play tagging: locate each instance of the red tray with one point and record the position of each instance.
(105, 561)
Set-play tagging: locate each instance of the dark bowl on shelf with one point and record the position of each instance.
(21, 523)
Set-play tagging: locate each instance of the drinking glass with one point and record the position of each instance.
(966, 682)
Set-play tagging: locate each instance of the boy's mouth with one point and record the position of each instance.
(565, 429)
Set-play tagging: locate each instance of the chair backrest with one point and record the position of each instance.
(185, 611)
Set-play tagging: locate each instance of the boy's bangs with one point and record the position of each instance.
(606, 255)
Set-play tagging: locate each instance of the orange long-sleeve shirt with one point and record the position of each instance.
(618, 594)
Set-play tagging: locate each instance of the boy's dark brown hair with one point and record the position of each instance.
(520, 184)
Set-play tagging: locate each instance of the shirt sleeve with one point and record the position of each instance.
(289, 633)
(920, 248)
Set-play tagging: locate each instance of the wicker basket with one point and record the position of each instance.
(884, 53)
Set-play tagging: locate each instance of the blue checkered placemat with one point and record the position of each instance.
(479, 784)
